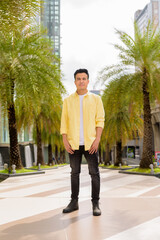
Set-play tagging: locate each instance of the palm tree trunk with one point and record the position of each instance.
(15, 157)
(56, 154)
(100, 155)
(50, 160)
(147, 137)
(107, 155)
(40, 158)
(64, 157)
(61, 156)
(118, 153)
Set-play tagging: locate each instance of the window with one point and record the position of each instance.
(56, 28)
(56, 2)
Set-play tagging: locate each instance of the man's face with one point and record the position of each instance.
(81, 81)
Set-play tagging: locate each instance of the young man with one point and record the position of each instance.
(82, 123)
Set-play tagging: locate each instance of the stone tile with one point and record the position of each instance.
(31, 207)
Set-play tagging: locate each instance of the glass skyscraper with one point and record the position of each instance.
(50, 19)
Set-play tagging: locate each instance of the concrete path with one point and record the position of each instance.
(31, 207)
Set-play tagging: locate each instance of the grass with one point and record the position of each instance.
(116, 167)
(23, 170)
(144, 170)
(44, 166)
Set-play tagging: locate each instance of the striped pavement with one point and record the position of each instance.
(31, 207)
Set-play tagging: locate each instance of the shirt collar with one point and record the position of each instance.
(76, 94)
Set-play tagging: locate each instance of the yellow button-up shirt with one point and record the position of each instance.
(93, 116)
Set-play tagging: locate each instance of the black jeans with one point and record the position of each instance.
(75, 164)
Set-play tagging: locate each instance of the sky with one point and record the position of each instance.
(88, 34)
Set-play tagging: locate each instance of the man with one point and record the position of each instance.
(82, 123)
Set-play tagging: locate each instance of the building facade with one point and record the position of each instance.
(50, 19)
(150, 12)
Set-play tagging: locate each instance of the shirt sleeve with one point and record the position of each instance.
(64, 119)
(100, 113)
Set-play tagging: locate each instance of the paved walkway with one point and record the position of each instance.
(31, 207)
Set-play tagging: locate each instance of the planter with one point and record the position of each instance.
(118, 168)
(7, 175)
(138, 173)
(42, 169)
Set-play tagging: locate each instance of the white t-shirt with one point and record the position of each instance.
(81, 134)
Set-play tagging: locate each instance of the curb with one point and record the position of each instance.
(6, 175)
(42, 169)
(118, 168)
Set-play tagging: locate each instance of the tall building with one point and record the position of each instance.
(50, 19)
(150, 12)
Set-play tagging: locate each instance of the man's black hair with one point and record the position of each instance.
(81, 70)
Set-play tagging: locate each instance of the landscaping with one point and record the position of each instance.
(115, 167)
(143, 171)
(5, 173)
(23, 170)
(45, 167)
(19, 172)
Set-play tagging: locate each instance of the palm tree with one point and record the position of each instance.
(14, 16)
(45, 121)
(122, 116)
(26, 66)
(139, 64)
(51, 126)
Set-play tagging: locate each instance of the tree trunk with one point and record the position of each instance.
(56, 154)
(15, 157)
(50, 160)
(118, 153)
(40, 158)
(100, 156)
(64, 157)
(61, 157)
(107, 155)
(147, 136)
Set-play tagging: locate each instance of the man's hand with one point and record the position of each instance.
(95, 144)
(94, 147)
(67, 145)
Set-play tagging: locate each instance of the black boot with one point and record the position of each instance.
(96, 209)
(72, 206)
